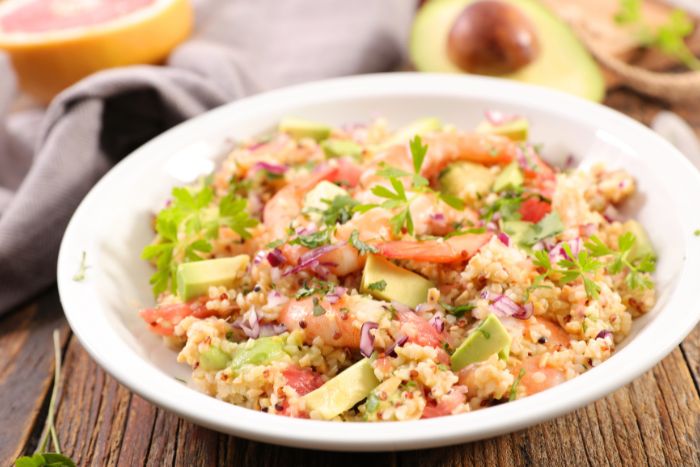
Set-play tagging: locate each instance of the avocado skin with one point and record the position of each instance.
(402, 285)
(563, 62)
(195, 278)
(343, 391)
(487, 339)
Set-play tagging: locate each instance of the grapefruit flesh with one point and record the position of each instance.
(55, 43)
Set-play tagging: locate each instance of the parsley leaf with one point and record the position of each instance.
(317, 287)
(620, 260)
(549, 226)
(318, 309)
(185, 230)
(507, 206)
(452, 201)
(339, 211)
(380, 285)
(418, 152)
(458, 310)
(514, 388)
(580, 266)
(361, 246)
(315, 239)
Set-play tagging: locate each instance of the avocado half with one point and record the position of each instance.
(562, 62)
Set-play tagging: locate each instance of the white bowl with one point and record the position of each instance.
(113, 224)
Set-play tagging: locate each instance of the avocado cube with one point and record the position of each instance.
(314, 200)
(405, 134)
(261, 352)
(510, 177)
(642, 246)
(515, 130)
(466, 180)
(341, 147)
(299, 129)
(343, 391)
(487, 339)
(195, 278)
(214, 359)
(517, 230)
(386, 281)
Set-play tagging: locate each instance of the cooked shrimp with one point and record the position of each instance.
(481, 148)
(163, 319)
(337, 324)
(537, 378)
(451, 250)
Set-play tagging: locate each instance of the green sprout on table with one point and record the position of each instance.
(42, 457)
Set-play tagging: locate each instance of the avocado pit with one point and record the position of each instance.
(491, 37)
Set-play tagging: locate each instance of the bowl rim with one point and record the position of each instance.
(653, 342)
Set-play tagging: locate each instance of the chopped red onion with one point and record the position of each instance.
(525, 311)
(399, 342)
(604, 334)
(276, 258)
(366, 338)
(497, 118)
(520, 158)
(485, 294)
(311, 258)
(437, 216)
(549, 244)
(504, 238)
(437, 322)
(272, 329)
(491, 227)
(335, 295)
(259, 256)
(249, 323)
(278, 169)
(504, 306)
(256, 146)
(611, 214)
(570, 162)
(539, 246)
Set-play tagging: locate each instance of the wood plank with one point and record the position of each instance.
(691, 352)
(26, 371)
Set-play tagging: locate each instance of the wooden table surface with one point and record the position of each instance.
(655, 420)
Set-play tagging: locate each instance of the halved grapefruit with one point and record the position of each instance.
(54, 43)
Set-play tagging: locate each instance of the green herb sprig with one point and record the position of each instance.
(187, 227)
(42, 457)
(514, 388)
(636, 270)
(579, 266)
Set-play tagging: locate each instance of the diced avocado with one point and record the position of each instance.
(386, 281)
(489, 338)
(263, 350)
(562, 61)
(195, 278)
(516, 230)
(343, 391)
(515, 130)
(313, 201)
(341, 147)
(298, 129)
(510, 177)
(405, 134)
(466, 180)
(642, 246)
(214, 359)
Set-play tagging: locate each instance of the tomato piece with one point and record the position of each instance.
(534, 209)
(303, 381)
(162, 320)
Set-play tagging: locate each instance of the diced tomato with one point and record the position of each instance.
(162, 320)
(303, 381)
(349, 172)
(534, 209)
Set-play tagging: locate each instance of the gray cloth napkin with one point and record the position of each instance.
(49, 158)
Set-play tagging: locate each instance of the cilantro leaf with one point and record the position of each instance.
(452, 201)
(361, 246)
(458, 310)
(514, 388)
(339, 210)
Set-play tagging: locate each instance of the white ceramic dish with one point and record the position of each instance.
(112, 225)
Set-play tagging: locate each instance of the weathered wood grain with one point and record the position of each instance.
(26, 369)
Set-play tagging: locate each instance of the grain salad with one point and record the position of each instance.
(360, 273)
